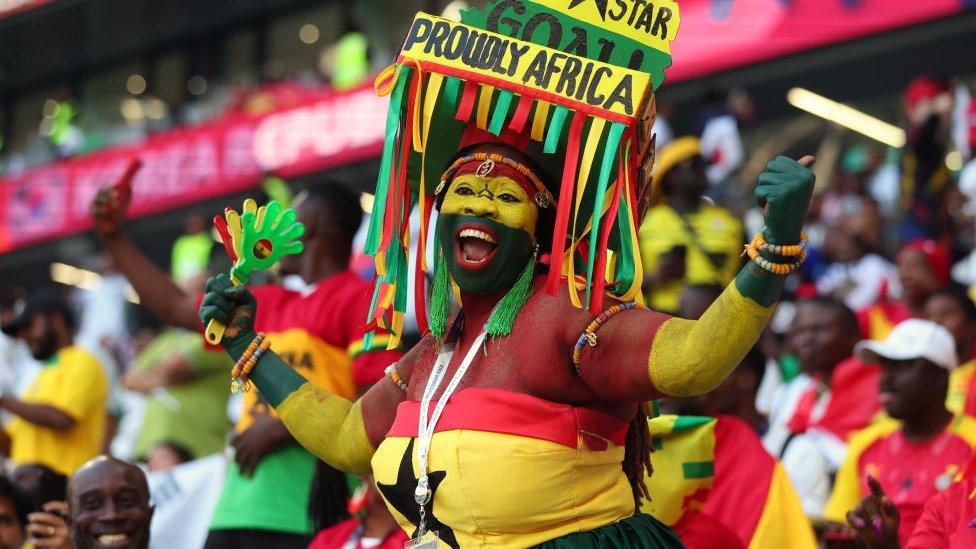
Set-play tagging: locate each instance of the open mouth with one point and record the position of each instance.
(113, 540)
(476, 246)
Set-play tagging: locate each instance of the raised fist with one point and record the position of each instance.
(785, 189)
(108, 210)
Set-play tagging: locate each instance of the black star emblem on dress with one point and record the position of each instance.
(400, 496)
(601, 6)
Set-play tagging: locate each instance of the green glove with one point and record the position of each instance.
(785, 188)
(235, 307)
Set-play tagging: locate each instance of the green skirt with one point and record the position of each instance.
(637, 532)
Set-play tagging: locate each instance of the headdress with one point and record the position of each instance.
(570, 83)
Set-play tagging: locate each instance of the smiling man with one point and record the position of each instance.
(108, 501)
(920, 451)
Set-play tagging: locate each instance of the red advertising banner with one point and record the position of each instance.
(11, 7)
(718, 35)
(185, 166)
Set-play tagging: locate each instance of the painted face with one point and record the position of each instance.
(486, 229)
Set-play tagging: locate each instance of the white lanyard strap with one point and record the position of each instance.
(425, 428)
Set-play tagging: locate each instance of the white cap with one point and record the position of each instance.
(913, 338)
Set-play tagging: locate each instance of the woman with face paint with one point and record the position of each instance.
(521, 426)
(520, 419)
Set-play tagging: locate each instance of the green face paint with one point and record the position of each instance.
(497, 271)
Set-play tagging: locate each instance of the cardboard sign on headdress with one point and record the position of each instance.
(575, 79)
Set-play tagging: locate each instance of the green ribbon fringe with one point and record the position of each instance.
(440, 297)
(503, 317)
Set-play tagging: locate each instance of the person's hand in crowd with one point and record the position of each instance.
(784, 190)
(232, 305)
(875, 520)
(264, 436)
(112, 201)
(48, 529)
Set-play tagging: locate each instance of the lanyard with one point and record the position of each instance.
(425, 428)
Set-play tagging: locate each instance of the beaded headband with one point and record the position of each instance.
(543, 198)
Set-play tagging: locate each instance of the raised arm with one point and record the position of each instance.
(155, 287)
(652, 354)
(344, 434)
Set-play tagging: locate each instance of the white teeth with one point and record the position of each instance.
(474, 233)
(113, 539)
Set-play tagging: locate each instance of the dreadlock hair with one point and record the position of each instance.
(637, 455)
(327, 502)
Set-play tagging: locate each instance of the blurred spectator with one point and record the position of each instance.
(857, 275)
(952, 308)
(375, 530)
(347, 61)
(923, 267)
(721, 144)
(685, 240)
(920, 450)
(39, 485)
(17, 367)
(186, 388)
(166, 455)
(101, 322)
(13, 515)
(822, 336)
(923, 176)
(946, 520)
(191, 251)
(61, 419)
(109, 505)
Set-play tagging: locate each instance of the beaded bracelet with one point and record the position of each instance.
(242, 369)
(589, 335)
(393, 371)
(793, 250)
(775, 268)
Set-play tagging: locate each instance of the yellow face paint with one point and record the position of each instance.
(497, 198)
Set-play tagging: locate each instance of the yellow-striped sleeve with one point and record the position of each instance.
(329, 426)
(692, 357)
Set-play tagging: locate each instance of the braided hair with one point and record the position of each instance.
(637, 455)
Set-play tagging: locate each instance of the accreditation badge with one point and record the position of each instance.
(430, 540)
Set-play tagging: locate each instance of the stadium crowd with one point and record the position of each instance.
(848, 424)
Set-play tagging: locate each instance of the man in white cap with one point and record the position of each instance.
(918, 451)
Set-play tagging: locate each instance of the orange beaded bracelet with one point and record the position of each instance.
(242, 369)
(589, 335)
(793, 250)
(775, 268)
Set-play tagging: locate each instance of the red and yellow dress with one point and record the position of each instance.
(508, 469)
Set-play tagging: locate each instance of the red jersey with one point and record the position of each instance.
(320, 334)
(910, 474)
(949, 519)
(349, 535)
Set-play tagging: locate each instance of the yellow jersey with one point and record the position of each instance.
(712, 238)
(75, 383)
